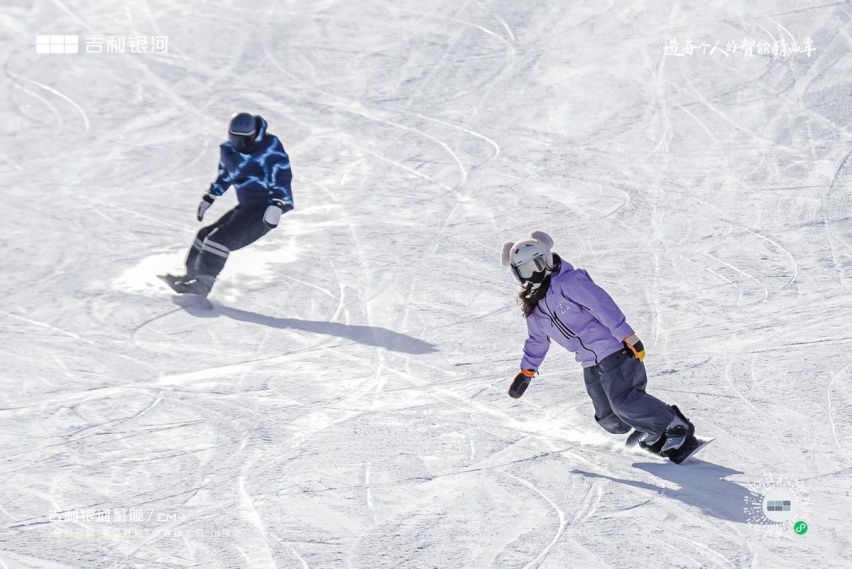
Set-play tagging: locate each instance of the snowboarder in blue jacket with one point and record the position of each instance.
(562, 304)
(256, 164)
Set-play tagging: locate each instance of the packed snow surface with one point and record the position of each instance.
(344, 404)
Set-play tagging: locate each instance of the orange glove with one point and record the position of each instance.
(520, 383)
(634, 346)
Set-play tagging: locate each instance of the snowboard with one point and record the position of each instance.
(692, 447)
(187, 298)
(695, 445)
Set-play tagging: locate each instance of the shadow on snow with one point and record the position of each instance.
(367, 335)
(701, 484)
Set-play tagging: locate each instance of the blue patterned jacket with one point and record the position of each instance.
(258, 177)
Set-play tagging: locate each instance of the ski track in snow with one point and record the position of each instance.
(559, 513)
(343, 404)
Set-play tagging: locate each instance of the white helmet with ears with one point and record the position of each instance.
(531, 260)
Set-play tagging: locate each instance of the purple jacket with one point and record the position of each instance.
(578, 315)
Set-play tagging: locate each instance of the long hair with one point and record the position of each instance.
(529, 302)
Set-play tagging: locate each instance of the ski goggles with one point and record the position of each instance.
(242, 140)
(526, 270)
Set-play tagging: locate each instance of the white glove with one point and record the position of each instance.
(206, 202)
(273, 213)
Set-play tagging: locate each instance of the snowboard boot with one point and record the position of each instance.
(653, 443)
(679, 432)
(199, 285)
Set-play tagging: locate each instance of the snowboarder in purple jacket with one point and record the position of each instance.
(562, 304)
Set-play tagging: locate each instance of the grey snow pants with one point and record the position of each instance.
(617, 388)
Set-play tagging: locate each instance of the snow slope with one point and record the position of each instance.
(344, 406)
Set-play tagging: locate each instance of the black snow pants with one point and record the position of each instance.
(617, 388)
(239, 227)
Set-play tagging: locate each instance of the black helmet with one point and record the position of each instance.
(242, 131)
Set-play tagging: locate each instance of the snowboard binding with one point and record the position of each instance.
(677, 443)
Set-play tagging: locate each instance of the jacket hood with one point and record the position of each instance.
(261, 130)
(564, 266)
